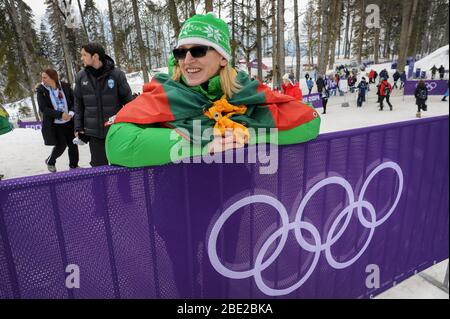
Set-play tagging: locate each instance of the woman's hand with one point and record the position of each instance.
(66, 116)
(221, 144)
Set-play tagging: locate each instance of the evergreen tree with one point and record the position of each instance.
(93, 22)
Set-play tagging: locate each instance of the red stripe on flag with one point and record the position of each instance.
(152, 106)
(287, 112)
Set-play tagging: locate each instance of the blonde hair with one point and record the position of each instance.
(227, 75)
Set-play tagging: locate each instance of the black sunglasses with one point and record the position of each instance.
(196, 52)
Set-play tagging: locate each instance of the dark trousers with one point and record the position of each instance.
(387, 100)
(421, 106)
(98, 153)
(64, 138)
(361, 99)
(395, 85)
(324, 105)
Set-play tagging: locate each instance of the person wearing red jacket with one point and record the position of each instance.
(371, 76)
(385, 93)
(290, 88)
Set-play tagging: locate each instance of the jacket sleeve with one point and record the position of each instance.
(125, 94)
(79, 105)
(45, 108)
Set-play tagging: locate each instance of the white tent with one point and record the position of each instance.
(438, 58)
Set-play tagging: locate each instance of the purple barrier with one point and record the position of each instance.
(435, 87)
(339, 209)
(34, 125)
(313, 99)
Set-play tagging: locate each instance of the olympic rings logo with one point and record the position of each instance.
(298, 224)
(431, 85)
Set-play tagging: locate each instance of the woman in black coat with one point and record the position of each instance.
(421, 95)
(55, 101)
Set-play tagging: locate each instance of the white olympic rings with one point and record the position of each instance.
(298, 224)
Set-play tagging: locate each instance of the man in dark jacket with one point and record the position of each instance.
(433, 72)
(441, 72)
(396, 77)
(320, 84)
(362, 91)
(101, 90)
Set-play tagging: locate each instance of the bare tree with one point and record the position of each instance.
(141, 45)
(258, 39)
(280, 40)
(324, 45)
(275, 67)
(23, 51)
(174, 17)
(82, 18)
(233, 33)
(64, 41)
(334, 30)
(297, 42)
(113, 33)
(208, 6)
(347, 29)
(406, 12)
(361, 31)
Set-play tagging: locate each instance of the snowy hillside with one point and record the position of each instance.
(437, 58)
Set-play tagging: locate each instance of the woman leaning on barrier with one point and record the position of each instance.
(55, 99)
(203, 88)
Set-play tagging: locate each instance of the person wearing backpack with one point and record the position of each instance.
(421, 95)
(396, 77)
(441, 72)
(385, 93)
(362, 91)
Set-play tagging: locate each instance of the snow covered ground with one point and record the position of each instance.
(23, 151)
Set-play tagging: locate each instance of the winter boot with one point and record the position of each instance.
(51, 168)
(418, 115)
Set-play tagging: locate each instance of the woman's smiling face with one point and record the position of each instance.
(199, 70)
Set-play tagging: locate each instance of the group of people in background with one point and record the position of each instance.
(441, 70)
(345, 80)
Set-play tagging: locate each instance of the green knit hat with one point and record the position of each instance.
(207, 30)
